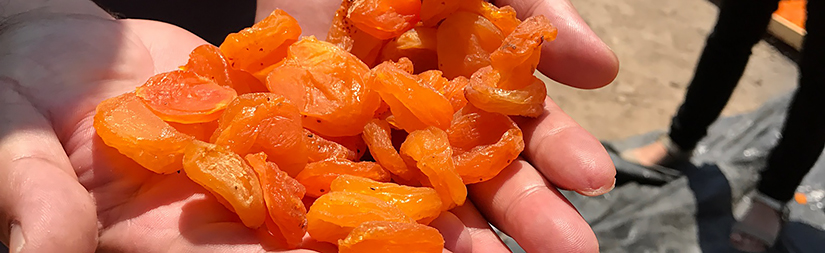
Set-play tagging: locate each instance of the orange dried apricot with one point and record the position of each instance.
(422, 204)
(331, 91)
(344, 34)
(519, 54)
(228, 177)
(509, 86)
(264, 122)
(391, 237)
(317, 176)
(339, 31)
(201, 131)
(430, 151)
(377, 135)
(465, 42)
(184, 97)
(433, 11)
(265, 43)
(125, 123)
(282, 195)
(207, 61)
(334, 215)
(320, 148)
(414, 105)
(504, 18)
(482, 93)
(452, 90)
(384, 19)
(417, 44)
(483, 143)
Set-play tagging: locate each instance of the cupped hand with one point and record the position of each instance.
(524, 200)
(65, 190)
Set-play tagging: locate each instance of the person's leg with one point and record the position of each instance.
(803, 136)
(741, 24)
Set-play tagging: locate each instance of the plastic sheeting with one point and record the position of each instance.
(692, 208)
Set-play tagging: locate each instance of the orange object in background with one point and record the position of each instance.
(794, 11)
(800, 198)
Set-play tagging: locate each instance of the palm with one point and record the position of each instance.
(163, 212)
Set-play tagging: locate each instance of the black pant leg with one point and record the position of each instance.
(741, 24)
(803, 136)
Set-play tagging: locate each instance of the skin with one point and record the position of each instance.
(67, 192)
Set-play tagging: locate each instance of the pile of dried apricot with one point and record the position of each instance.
(277, 126)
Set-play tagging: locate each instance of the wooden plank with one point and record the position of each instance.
(786, 31)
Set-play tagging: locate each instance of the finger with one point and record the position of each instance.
(565, 153)
(457, 237)
(168, 44)
(315, 16)
(465, 230)
(484, 239)
(40, 198)
(525, 206)
(577, 57)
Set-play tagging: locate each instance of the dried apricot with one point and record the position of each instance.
(201, 131)
(433, 11)
(229, 178)
(328, 85)
(377, 135)
(265, 43)
(504, 18)
(334, 215)
(320, 148)
(391, 237)
(519, 54)
(465, 42)
(430, 150)
(508, 86)
(483, 143)
(384, 19)
(482, 93)
(282, 195)
(207, 61)
(125, 123)
(417, 44)
(344, 34)
(264, 122)
(414, 105)
(419, 203)
(452, 90)
(339, 32)
(317, 176)
(184, 97)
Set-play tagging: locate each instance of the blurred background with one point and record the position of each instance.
(691, 208)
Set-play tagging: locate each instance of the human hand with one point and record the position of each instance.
(66, 190)
(523, 200)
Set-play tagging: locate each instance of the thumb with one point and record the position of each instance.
(43, 208)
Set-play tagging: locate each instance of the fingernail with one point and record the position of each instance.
(599, 191)
(16, 238)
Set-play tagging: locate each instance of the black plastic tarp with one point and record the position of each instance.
(691, 208)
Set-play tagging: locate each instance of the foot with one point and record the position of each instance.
(761, 219)
(652, 154)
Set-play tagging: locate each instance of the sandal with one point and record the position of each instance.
(758, 232)
(675, 155)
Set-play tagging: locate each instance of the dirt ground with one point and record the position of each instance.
(658, 44)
